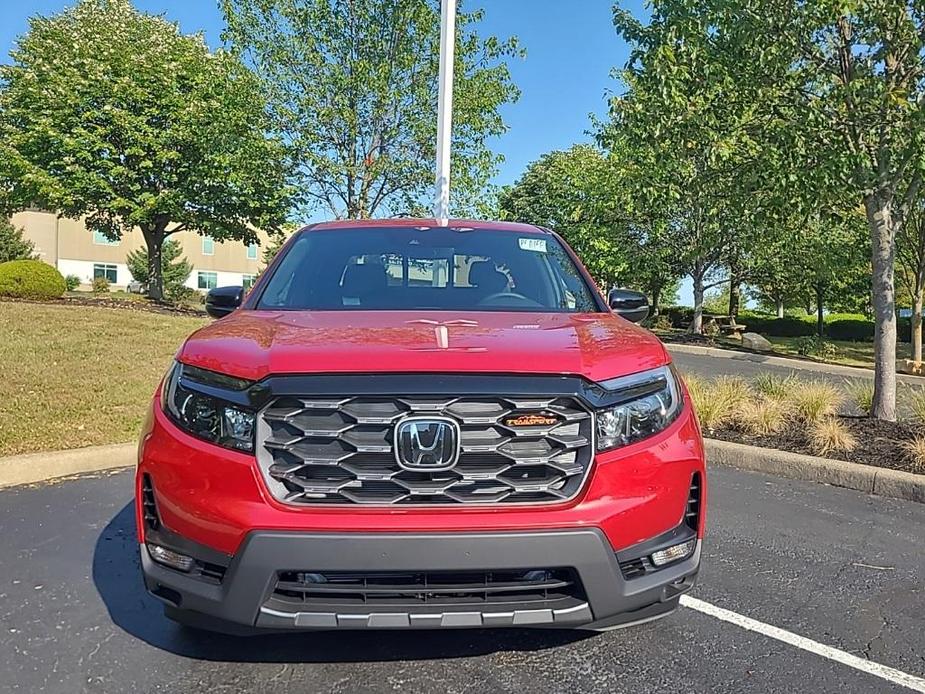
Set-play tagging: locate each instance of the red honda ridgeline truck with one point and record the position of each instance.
(409, 425)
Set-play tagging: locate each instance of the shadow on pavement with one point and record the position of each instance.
(117, 577)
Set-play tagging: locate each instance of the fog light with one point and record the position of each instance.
(674, 553)
(168, 557)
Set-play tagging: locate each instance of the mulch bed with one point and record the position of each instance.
(143, 305)
(878, 442)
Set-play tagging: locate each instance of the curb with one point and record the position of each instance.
(787, 362)
(49, 465)
(838, 473)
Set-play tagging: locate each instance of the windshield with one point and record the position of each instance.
(409, 268)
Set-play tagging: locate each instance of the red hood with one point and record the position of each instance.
(254, 344)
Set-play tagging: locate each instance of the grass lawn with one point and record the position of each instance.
(80, 376)
(849, 353)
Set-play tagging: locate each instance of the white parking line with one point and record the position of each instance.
(904, 679)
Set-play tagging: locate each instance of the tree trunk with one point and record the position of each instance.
(779, 302)
(734, 296)
(697, 322)
(917, 302)
(154, 239)
(820, 309)
(656, 295)
(883, 250)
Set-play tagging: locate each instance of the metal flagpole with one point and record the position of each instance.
(445, 109)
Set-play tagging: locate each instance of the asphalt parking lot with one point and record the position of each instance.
(835, 566)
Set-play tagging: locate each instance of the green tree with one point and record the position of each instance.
(680, 146)
(175, 269)
(840, 115)
(849, 107)
(568, 192)
(352, 88)
(12, 244)
(114, 115)
(910, 258)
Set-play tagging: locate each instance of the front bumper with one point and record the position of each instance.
(242, 596)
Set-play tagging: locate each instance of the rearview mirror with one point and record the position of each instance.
(629, 304)
(223, 300)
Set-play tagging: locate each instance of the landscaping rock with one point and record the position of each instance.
(756, 342)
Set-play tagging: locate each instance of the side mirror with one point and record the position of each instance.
(626, 303)
(223, 300)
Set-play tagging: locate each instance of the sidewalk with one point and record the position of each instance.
(789, 363)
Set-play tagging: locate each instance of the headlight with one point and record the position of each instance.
(650, 402)
(207, 416)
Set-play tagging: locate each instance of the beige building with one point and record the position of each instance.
(75, 249)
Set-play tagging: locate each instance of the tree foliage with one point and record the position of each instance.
(683, 144)
(175, 269)
(113, 114)
(352, 89)
(817, 106)
(910, 256)
(577, 193)
(12, 244)
(568, 192)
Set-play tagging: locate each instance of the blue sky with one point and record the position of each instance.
(571, 48)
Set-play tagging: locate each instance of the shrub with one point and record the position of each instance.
(100, 285)
(917, 404)
(854, 328)
(711, 413)
(789, 326)
(763, 417)
(733, 389)
(12, 244)
(717, 404)
(862, 392)
(915, 453)
(660, 322)
(815, 401)
(71, 282)
(30, 279)
(829, 436)
(180, 293)
(774, 387)
(175, 269)
(815, 346)
(680, 316)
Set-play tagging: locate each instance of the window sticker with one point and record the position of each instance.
(535, 245)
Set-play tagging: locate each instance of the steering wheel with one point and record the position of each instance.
(506, 297)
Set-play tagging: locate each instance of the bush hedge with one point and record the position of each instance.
(788, 326)
(30, 279)
(851, 327)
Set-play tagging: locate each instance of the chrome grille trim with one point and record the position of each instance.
(339, 451)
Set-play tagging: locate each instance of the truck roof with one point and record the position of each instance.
(516, 227)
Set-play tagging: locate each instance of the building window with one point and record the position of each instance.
(208, 245)
(110, 272)
(208, 280)
(252, 251)
(99, 238)
(248, 281)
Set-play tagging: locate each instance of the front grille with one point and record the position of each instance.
(340, 450)
(533, 588)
